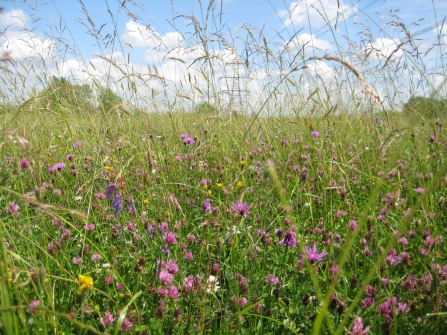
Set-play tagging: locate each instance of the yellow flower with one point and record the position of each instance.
(240, 184)
(146, 201)
(243, 162)
(108, 168)
(85, 283)
(209, 192)
(220, 185)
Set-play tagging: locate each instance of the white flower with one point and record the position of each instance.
(78, 198)
(212, 284)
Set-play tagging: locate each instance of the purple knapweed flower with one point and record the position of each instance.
(313, 255)
(289, 239)
(189, 140)
(241, 208)
(315, 133)
(58, 166)
(77, 144)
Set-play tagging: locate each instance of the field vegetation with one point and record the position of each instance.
(314, 207)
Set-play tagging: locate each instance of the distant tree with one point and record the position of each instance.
(62, 94)
(426, 107)
(206, 108)
(108, 100)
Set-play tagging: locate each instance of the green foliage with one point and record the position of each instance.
(108, 100)
(426, 107)
(207, 109)
(61, 95)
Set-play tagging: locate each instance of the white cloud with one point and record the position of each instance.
(30, 46)
(307, 41)
(139, 35)
(314, 12)
(382, 49)
(321, 68)
(15, 18)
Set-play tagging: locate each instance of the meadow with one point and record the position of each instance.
(313, 216)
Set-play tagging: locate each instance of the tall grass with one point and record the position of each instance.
(283, 201)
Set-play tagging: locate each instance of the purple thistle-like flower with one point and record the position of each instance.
(116, 203)
(189, 140)
(58, 166)
(315, 133)
(289, 239)
(77, 144)
(207, 206)
(313, 255)
(241, 208)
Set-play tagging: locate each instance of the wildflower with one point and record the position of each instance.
(212, 284)
(215, 269)
(172, 267)
(120, 287)
(165, 250)
(107, 320)
(240, 184)
(220, 185)
(272, 280)
(419, 190)
(352, 225)
(289, 239)
(85, 283)
(207, 206)
(116, 203)
(165, 277)
(33, 303)
(13, 209)
(69, 157)
(77, 144)
(76, 260)
(173, 293)
(126, 325)
(315, 133)
(96, 257)
(189, 140)
(243, 163)
(189, 256)
(90, 227)
(241, 208)
(111, 189)
(100, 196)
(169, 238)
(357, 328)
(313, 255)
(108, 168)
(146, 201)
(24, 163)
(58, 166)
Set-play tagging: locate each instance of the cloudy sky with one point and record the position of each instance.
(162, 41)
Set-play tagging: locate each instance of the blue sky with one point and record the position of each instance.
(51, 26)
